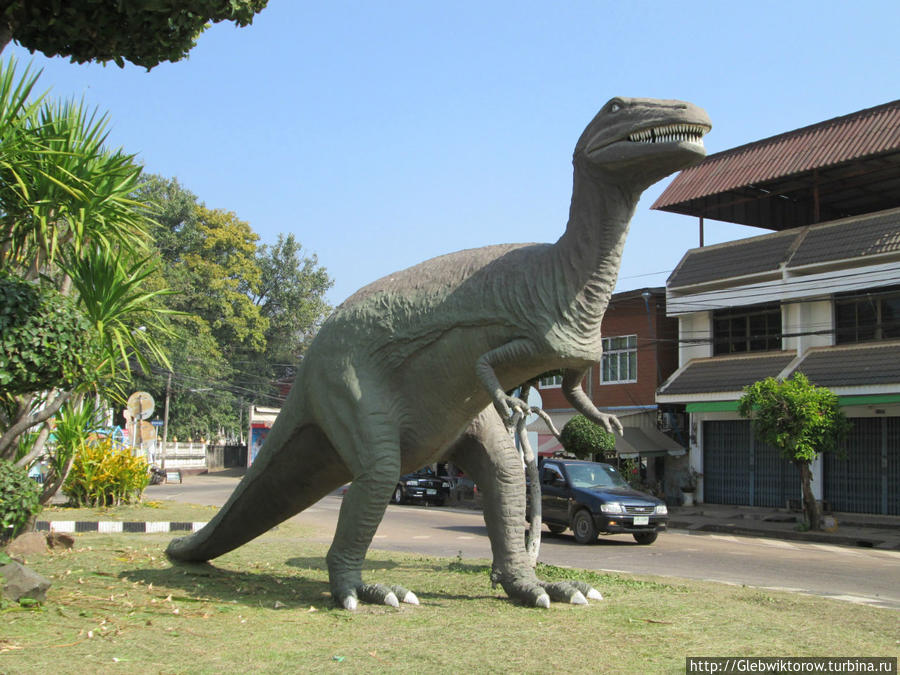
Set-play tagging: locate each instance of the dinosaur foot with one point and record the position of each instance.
(573, 592)
(540, 593)
(377, 594)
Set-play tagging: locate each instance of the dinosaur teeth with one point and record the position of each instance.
(672, 133)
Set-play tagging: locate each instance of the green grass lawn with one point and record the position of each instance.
(118, 606)
(147, 510)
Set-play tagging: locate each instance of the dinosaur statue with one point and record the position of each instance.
(414, 368)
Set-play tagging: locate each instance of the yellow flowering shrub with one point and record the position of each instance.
(104, 474)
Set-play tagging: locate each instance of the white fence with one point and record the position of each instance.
(179, 455)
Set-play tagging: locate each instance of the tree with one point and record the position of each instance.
(799, 419)
(69, 227)
(291, 297)
(144, 32)
(581, 437)
(218, 276)
(250, 310)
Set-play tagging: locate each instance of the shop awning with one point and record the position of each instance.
(636, 442)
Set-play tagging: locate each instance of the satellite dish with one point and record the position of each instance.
(140, 405)
(534, 401)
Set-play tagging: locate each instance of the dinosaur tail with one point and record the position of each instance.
(296, 467)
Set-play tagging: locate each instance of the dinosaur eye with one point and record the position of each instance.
(615, 107)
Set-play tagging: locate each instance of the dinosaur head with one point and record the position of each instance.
(638, 141)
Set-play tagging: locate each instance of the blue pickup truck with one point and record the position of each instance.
(592, 498)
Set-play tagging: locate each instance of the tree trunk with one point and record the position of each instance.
(810, 506)
(5, 35)
(26, 422)
(55, 481)
(37, 449)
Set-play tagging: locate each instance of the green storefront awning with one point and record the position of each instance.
(732, 406)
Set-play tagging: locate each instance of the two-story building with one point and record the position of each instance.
(639, 353)
(820, 296)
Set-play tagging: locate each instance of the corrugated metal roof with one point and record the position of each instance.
(864, 133)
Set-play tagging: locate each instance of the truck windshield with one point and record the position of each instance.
(594, 475)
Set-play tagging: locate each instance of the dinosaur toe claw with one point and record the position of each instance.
(578, 599)
(543, 600)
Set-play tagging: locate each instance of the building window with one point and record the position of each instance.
(549, 381)
(747, 329)
(619, 360)
(865, 317)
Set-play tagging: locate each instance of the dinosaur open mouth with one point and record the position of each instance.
(671, 133)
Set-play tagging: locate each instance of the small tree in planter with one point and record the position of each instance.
(19, 499)
(799, 419)
(583, 438)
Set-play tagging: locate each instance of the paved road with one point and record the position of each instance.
(870, 576)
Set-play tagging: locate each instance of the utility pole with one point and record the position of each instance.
(162, 460)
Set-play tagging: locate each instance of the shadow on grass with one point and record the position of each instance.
(318, 563)
(204, 582)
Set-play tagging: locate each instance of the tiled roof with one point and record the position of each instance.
(853, 366)
(726, 374)
(872, 234)
(851, 238)
(733, 259)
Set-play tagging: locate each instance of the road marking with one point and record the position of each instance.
(725, 537)
(777, 543)
(422, 536)
(464, 536)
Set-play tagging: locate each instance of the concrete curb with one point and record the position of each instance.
(116, 526)
(860, 541)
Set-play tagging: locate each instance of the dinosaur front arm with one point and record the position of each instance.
(571, 387)
(515, 351)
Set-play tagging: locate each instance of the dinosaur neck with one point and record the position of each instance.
(588, 255)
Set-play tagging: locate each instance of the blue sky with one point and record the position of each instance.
(383, 134)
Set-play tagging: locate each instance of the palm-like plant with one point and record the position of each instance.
(116, 296)
(67, 218)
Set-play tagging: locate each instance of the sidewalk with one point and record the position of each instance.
(853, 529)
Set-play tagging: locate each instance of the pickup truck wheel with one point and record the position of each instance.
(398, 495)
(583, 527)
(556, 529)
(644, 537)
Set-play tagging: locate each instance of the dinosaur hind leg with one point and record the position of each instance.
(369, 442)
(286, 478)
(487, 453)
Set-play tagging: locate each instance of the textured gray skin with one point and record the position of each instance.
(413, 368)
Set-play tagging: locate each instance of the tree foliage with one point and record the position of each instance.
(581, 437)
(144, 32)
(45, 339)
(70, 227)
(19, 499)
(799, 419)
(249, 309)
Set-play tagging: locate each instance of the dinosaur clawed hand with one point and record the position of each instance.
(508, 406)
(377, 594)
